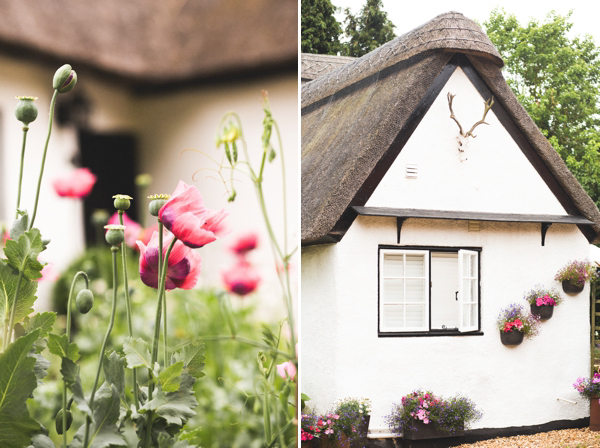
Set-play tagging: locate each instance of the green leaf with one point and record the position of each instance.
(70, 373)
(193, 358)
(114, 372)
(8, 288)
(17, 383)
(175, 407)
(42, 441)
(45, 321)
(41, 366)
(136, 353)
(19, 226)
(60, 346)
(103, 430)
(170, 378)
(22, 253)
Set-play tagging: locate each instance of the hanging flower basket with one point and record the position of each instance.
(514, 337)
(544, 311)
(570, 288)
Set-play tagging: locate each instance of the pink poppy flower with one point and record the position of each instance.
(78, 184)
(245, 243)
(49, 274)
(241, 278)
(183, 265)
(133, 231)
(287, 371)
(185, 215)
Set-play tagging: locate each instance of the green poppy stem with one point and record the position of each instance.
(114, 250)
(68, 331)
(25, 129)
(155, 342)
(128, 306)
(37, 194)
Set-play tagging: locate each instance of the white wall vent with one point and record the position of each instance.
(411, 171)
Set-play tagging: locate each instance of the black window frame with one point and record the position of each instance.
(430, 332)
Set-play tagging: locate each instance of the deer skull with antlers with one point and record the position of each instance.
(488, 105)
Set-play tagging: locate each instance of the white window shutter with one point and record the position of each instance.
(468, 290)
(404, 291)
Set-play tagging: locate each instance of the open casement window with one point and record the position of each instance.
(428, 291)
(468, 292)
(404, 295)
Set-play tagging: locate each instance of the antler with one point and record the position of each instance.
(488, 105)
(450, 98)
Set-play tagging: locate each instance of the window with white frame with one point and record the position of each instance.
(428, 290)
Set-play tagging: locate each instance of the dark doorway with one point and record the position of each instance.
(111, 157)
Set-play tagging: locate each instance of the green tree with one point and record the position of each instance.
(320, 29)
(368, 30)
(557, 80)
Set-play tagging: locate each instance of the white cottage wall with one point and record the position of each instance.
(491, 175)
(513, 386)
(343, 321)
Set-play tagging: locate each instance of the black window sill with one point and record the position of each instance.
(413, 334)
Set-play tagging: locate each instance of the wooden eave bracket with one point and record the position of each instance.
(545, 226)
(399, 222)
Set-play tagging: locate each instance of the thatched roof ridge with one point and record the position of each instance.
(450, 31)
(315, 65)
(155, 41)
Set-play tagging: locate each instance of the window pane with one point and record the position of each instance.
(393, 290)
(473, 314)
(415, 314)
(415, 290)
(393, 265)
(393, 315)
(472, 267)
(473, 290)
(467, 292)
(466, 311)
(415, 265)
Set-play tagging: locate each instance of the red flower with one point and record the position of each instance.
(245, 243)
(183, 265)
(76, 185)
(241, 278)
(193, 224)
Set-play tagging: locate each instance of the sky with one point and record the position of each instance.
(406, 17)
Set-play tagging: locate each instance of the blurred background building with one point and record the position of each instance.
(154, 79)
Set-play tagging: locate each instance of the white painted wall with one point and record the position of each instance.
(165, 125)
(491, 175)
(343, 356)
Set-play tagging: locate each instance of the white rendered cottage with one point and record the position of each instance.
(397, 206)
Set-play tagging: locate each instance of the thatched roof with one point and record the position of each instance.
(155, 41)
(353, 116)
(316, 65)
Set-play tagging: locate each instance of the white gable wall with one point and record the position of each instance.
(495, 177)
(342, 354)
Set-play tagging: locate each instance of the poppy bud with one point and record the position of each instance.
(156, 203)
(84, 301)
(143, 180)
(65, 79)
(115, 234)
(26, 110)
(122, 201)
(58, 421)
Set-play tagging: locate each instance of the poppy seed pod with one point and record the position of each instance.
(84, 301)
(65, 79)
(58, 421)
(122, 201)
(26, 110)
(156, 203)
(115, 234)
